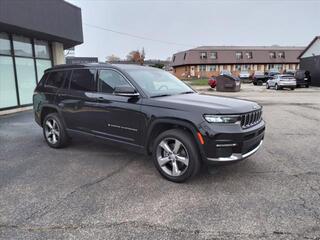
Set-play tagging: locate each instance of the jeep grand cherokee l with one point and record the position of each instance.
(148, 110)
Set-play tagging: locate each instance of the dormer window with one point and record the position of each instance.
(203, 55)
(239, 55)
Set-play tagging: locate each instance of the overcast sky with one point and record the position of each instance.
(187, 24)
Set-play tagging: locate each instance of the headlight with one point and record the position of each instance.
(222, 118)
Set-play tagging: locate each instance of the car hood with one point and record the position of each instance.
(206, 104)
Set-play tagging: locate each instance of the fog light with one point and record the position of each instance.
(226, 145)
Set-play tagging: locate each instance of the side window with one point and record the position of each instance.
(43, 79)
(109, 79)
(56, 79)
(83, 80)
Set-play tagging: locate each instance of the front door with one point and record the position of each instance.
(117, 117)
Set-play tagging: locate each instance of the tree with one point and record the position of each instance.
(136, 56)
(113, 58)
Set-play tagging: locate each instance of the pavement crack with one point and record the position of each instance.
(48, 208)
(206, 234)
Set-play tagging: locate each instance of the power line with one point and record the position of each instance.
(137, 36)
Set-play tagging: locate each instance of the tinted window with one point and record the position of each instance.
(83, 80)
(43, 79)
(5, 47)
(56, 79)
(22, 46)
(110, 79)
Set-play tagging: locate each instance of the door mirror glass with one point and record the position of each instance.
(126, 91)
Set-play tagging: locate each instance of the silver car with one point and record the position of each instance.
(282, 81)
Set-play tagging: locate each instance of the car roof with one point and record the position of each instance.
(98, 65)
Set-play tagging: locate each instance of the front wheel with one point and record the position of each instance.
(277, 87)
(176, 155)
(267, 85)
(54, 132)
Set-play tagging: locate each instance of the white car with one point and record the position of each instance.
(282, 81)
(244, 75)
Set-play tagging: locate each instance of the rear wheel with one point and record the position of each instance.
(176, 156)
(260, 83)
(54, 132)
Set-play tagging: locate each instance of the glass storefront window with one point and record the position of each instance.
(41, 66)
(8, 96)
(5, 47)
(26, 79)
(22, 46)
(41, 49)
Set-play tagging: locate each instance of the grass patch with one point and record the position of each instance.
(197, 82)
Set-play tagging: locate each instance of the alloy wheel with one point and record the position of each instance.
(172, 157)
(52, 131)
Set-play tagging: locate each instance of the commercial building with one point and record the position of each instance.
(310, 60)
(33, 36)
(207, 61)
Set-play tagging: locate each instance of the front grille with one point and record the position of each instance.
(250, 119)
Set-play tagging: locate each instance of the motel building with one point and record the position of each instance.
(207, 61)
(33, 37)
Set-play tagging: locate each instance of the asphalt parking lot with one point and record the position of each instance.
(91, 190)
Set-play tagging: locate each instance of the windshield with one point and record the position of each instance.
(157, 82)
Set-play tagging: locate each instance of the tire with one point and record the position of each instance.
(307, 86)
(254, 83)
(54, 132)
(267, 86)
(292, 88)
(260, 83)
(188, 165)
(277, 87)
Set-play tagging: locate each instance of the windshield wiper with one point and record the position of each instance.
(160, 95)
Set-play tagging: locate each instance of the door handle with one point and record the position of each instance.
(100, 99)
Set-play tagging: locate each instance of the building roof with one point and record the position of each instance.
(226, 55)
(54, 20)
(244, 48)
(310, 44)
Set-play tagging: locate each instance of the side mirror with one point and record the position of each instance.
(125, 91)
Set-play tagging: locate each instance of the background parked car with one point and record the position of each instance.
(225, 72)
(281, 81)
(212, 82)
(303, 78)
(289, 71)
(271, 73)
(259, 78)
(245, 76)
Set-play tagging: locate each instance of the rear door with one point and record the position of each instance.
(77, 99)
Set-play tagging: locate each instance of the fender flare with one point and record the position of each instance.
(48, 105)
(175, 121)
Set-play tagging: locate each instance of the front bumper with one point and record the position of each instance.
(236, 156)
(230, 143)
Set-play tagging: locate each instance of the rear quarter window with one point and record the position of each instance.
(57, 79)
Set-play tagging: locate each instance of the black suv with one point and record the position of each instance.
(149, 110)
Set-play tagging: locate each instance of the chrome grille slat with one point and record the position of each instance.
(251, 118)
